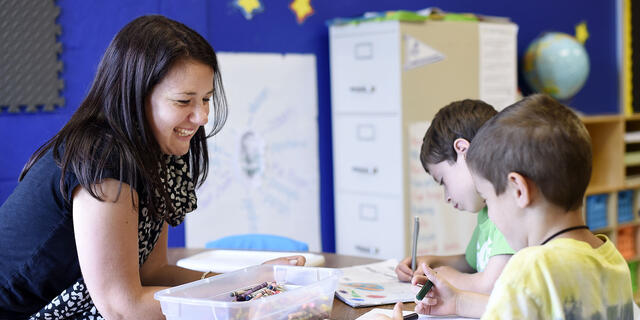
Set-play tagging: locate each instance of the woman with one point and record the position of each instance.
(84, 234)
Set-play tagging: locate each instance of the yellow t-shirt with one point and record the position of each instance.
(564, 279)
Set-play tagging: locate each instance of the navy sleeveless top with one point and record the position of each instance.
(40, 275)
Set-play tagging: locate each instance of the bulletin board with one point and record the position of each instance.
(293, 26)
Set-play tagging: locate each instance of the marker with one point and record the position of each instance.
(411, 316)
(425, 288)
(414, 248)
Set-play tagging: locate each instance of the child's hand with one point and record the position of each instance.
(403, 269)
(441, 299)
(446, 272)
(290, 260)
(397, 313)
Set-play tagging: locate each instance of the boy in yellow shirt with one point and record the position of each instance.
(532, 164)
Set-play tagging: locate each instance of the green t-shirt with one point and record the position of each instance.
(487, 241)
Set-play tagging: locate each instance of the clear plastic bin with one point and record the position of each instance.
(210, 298)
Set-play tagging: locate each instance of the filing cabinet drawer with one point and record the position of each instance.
(367, 154)
(365, 73)
(369, 226)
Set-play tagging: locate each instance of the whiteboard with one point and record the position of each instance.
(263, 175)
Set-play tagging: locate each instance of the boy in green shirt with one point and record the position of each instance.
(443, 156)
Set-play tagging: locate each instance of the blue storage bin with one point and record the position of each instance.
(597, 211)
(625, 206)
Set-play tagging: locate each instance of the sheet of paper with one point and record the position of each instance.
(373, 284)
(263, 165)
(498, 63)
(221, 261)
(418, 54)
(388, 312)
(377, 311)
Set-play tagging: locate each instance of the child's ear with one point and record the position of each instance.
(520, 187)
(461, 146)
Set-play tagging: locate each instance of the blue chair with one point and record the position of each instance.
(263, 242)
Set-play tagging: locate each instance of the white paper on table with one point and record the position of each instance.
(389, 313)
(377, 311)
(373, 284)
(221, 261)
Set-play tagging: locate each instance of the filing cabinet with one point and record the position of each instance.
(385, 76)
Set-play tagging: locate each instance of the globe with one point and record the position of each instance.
(556, 64)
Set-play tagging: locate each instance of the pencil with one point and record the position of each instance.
(414, 248)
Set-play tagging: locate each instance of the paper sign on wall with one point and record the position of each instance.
(418, 53)
(498, 64)
(263, 175)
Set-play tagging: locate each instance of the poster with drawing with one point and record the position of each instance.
(443, 229)
(263, 175)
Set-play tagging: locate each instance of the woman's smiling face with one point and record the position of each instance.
(179, 105)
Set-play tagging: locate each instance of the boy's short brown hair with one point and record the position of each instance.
(459, 119)
(540, 139)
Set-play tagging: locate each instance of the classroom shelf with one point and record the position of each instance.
(633, 223)
(615, 182)
(594, 189)
(605, 230)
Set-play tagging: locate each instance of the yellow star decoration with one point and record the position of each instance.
(249, 6)
(582, 34)
(302, 8)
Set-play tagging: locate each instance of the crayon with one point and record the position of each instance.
(411, 316)
(425, 288)
(250, 291)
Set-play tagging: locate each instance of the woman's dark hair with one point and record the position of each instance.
(110, 125)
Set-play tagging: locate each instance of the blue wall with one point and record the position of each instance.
(88, 26)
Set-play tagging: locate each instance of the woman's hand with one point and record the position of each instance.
(290, 260)
(441, 299)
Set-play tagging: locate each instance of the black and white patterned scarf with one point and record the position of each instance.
(75, 302)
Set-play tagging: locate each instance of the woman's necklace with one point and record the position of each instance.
(563, 231)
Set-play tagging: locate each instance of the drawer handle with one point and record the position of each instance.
(368, 212)
(362, 89)
(365, 170)
(363, 51)
(368, 250)
(366, 132)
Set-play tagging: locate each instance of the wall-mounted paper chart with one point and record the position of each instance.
(263, 174)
